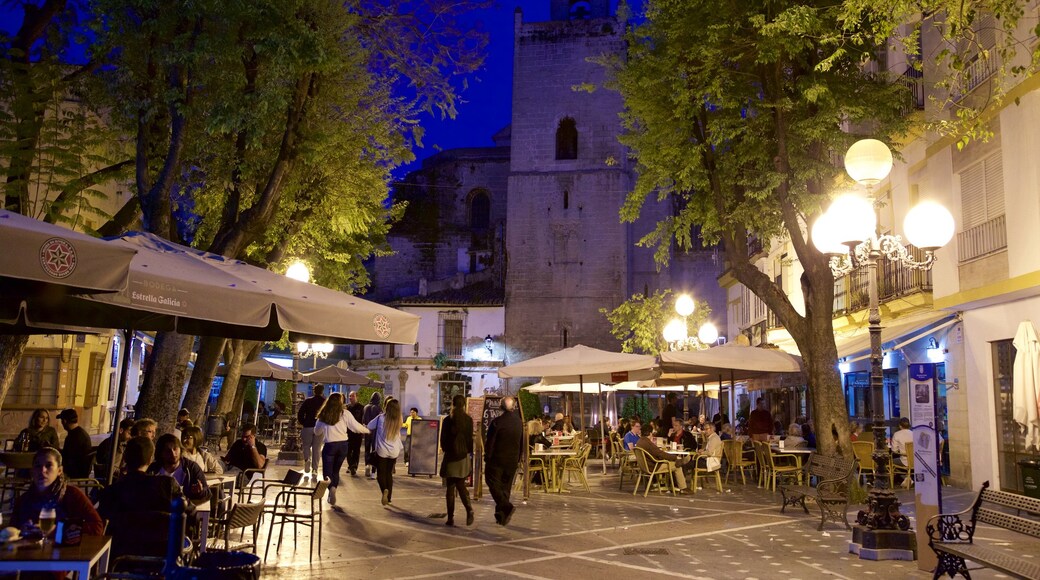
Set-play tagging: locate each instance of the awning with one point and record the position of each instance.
(858, 342)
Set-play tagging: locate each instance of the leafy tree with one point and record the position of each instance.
(639, 321)
(637, 406)
(733, 111)
(264, 129)
(530, 403)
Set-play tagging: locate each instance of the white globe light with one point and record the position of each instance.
(675, 331)
(302, 347)
(299, 271)
(684, 305)
(825, 236)
(928, 226)
(708, 334)
(868, 161)
(854, 219)
(322, 347)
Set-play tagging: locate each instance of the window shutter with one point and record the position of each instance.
(994, 186)
(973, 196)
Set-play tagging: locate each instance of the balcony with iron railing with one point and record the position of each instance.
(894, 281)
(982, 240)
(913, 80)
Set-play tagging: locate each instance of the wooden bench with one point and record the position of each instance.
(953, 540)
(833, 475)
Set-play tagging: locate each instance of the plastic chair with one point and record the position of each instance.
(776, 467)
(700, 467)
(907, 471)
(537, 465)
(284, 514)
(241, 516)
(629, 465)
(576, 465)
(653, 470)
(735, 459)
(864, 451)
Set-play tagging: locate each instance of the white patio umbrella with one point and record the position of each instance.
(1025, 382)
(579, 364)
(338, 376)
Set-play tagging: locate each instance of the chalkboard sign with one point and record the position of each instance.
(475, 408)
(491, 411)
(424, 458)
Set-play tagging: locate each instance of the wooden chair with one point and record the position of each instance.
(241, 516)
(907, 471)
(735, 459)
(700, 467)
(864, 451)
(287, 512)
(653, 470)
(576, 465)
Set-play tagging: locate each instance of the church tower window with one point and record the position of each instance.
(479, 211)
(567, 139)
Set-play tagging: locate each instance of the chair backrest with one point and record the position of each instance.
(319, 490)
(760, 455)
(909, 447)
(244, 515)
(734, 451)
(641, 460)
(864, 451)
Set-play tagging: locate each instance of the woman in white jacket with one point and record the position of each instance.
(387, 428)
(333, 424)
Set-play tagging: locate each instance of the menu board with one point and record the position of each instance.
(424, 457)
(491, 411)
(475, 409)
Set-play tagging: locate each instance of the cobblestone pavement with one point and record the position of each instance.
(580, 535)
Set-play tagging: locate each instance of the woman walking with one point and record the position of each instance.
(333, 424)
(457, 444)
(386, 429)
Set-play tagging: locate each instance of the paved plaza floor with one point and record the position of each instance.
(583, 536)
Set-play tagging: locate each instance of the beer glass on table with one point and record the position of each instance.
(47, 521)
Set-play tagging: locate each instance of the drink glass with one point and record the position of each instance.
(47, 520)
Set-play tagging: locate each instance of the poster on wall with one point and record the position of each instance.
(926, 477)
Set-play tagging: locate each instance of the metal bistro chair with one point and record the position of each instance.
(241, 516)
(776, 467)
(576, 465)
(629, 466)
(700, 467)
(735, 459)
(537, 465)
(284, 514)
(653, 470)
(864, 452)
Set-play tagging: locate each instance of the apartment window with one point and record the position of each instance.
(95, 373)
(1011, 441)
(452, 329)
(38, 382)
(982, 209)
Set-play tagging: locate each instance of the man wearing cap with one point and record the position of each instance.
(75, 454)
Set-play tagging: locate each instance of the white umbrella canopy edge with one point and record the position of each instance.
(339, 376)
(732, 361)
(55, 256)
(1025, 382)
(262, 368)
(577, 361)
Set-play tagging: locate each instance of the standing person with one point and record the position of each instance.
(307, 415)
(504, 437)
(333, 424)
(670, 412)
(760, 421)
(457, 445)
(75, 453)
(354, 440)
(372, 410)
(39, 433)
(386, 443)
(412, 415)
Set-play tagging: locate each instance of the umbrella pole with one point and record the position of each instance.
(581, 404)
(602, 428)
(124, 374)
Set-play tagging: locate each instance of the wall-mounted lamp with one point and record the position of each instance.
(935, 354)
(489, 344)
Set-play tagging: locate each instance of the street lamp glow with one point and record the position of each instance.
(928, 226)
(299, 271)
(675, 331)
(684, 305)
(825, 235)
(708, 334)
(852, 217)
(868, 161)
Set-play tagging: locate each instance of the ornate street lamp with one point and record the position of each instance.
(847, 233)
(291, 446)
(676, 334)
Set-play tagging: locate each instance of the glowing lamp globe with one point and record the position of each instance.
(928, 226)
(675, 331)
(853, 219)
(684, 305)
(299, 271)
(868, 161)
(708, 334)
(825, 236)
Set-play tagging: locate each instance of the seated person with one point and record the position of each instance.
(104, 451)
(899, 440)
(683, 438)
(808, 435)
(50, 488)
(712, 452)
(558, 422)
(794, 436)
(246, 453)
(137, 497)
(191, 437)
(727, 432)
(635, 431)
(187, 473)
(38, 434)
(676, 461)
(144, 428)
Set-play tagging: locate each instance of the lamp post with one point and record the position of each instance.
(676, 334)
(291, 447)
(847, 233)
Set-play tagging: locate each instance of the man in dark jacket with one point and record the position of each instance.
(504, 437)
(188, 474)
(354, 440)
(75, 454)
(372, 410)
(308, 416)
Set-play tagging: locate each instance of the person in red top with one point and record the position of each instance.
(760, 422)
(49, 489)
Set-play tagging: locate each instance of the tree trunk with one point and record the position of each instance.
(164, 379)
(11, 348)
(237, 353)
(201, 382)
(244, 384)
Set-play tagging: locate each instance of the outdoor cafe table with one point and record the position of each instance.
(553, 454)
(17, 459)
(79, 559)
(796, 452)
